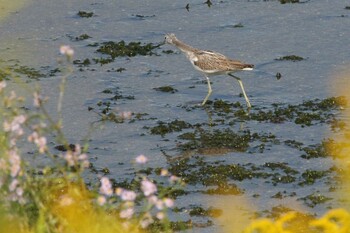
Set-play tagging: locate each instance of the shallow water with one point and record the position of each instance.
(318, 31)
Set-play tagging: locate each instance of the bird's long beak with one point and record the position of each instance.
(159, 44)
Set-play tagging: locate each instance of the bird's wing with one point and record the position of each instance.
(212, 53)
(215, 62)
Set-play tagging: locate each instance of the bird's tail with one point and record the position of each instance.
(248, 67)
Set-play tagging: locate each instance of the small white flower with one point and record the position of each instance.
(148, 187)
(128, 195)
(66, 50)
(125, 115)
(127, 213)
(101, 200)
(119, 191)
(168, 202)
(159, 205)
(141, 159)
(164, 172)
(106, 186)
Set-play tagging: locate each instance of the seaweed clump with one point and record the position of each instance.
(289, 1)
(290, 58)
(122, 49)
(84, 14)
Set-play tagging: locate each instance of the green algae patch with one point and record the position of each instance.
(294, 144)
(5, 74)
(12, 69)
(306, 114)
(106, 108)
(286, 174)
(224, 189)
(289, 1)
(85, 14)
(315, 199)
(239, 25)
(29, 72)
(175, 226)
(169, 51)
(223, 106)
(164, 128)
(208, 3)
(203, 140)
(281, 166)
(320, 150)
(82, 37)
(198, 171)
(210, 212)
(293, 58)
(85, 62)
(168, 89)
(123, 49)
(310, 176)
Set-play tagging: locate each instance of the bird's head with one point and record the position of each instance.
(170, 38)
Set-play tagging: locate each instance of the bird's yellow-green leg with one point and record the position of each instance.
(242, 87)
(245, 95)
(209, 91)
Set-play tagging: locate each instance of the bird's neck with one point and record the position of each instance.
(183, 47)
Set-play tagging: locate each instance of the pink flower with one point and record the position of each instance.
(15, 126)
(20, 119)
(66, 50)
(69, 158)
(106, 186)
(128, 195)
(74, 158)
(41, 143)
(125, 114)
(148, 187)
(168, 202)
(84, 160)
(15, 162)
(127, 213)
(141, 159)
(153, 199)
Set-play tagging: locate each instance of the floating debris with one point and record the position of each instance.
(85, 14)
(165, 89)
(290, 58)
